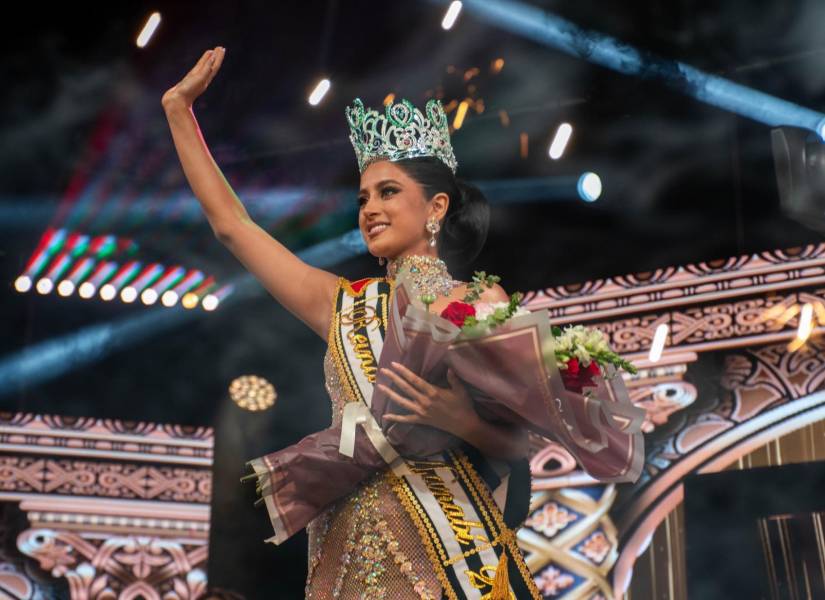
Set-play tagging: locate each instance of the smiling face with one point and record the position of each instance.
(393, 211)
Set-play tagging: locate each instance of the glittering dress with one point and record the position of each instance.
(365, 546)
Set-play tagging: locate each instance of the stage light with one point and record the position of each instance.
(319, 92)
(45, 285)
(460, 113)
(389, 99)
(589, 187)
(805, 322)
(563, 133)
(86, 290)
(108, 292)
(104, 270)
(77, 274)
(128, 294)
(48, 359)
(251, 392)
(451, 15)
(169, 298)
(497, 65)
(23, 283)
(213, 299)
(148, 29)
(192, 279)
(148, 296)
(172, 276)
(189, 300)
(658, 344)
(65, 288)
(144, 280)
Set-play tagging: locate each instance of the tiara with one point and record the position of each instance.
(401, 132)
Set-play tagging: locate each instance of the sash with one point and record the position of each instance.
(465, 506)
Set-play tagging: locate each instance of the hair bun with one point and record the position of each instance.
(466, 225)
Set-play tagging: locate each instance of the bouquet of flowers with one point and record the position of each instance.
(563, 384)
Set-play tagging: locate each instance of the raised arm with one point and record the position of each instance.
(302, 289)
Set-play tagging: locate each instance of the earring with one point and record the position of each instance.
(433, 227)
(382, 261)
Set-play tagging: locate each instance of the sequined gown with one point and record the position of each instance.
(365, 546)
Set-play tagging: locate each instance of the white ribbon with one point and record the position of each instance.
(357, 413)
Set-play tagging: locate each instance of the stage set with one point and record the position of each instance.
(656, 173)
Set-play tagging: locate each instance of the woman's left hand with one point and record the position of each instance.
(450, 409)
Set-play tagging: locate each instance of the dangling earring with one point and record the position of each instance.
(433, 227)
(382, 261)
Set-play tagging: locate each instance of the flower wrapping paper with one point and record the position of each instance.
(512, 376)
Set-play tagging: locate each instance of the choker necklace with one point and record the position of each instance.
(429, 274)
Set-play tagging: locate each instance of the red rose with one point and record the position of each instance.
(456, 312)
(575, 378)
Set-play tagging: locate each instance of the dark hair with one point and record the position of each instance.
(464, 228)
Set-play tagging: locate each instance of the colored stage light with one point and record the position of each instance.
(589, 187)
(460, 113)
(45, 285)
(23, 283)
(102, 273)
(193, 278)
(145, 279)
(189, 300)
(77, 274)
(65, 288)
(51, 358)
(213, 299)
(126, 273)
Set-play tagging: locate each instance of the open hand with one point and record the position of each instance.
(195, 82)
(449, 409)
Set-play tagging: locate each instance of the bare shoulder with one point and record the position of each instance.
(495, 294)
(491, 294)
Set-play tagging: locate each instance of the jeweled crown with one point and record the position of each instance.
(401, 132)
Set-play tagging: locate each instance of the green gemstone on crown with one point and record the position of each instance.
(402, 131)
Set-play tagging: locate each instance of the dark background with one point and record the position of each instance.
(684, 182)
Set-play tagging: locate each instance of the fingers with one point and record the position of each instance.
(420, 384)
(203, 60)
(217, 58)
(401, 400)
(402, 418)
(403, 384)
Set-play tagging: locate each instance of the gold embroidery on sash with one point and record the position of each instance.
(360, 316)
(484, 578)
(454, 513)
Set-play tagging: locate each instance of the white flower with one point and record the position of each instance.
(483, 310)
(520, 310)
(486, 309)
(582, 354)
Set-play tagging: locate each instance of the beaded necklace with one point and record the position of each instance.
(429, 274)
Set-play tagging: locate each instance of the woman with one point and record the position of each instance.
(371, 544)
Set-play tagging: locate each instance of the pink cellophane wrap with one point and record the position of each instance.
(512, 375)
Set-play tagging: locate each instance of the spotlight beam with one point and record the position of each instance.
(551, 30)
(24, 212)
